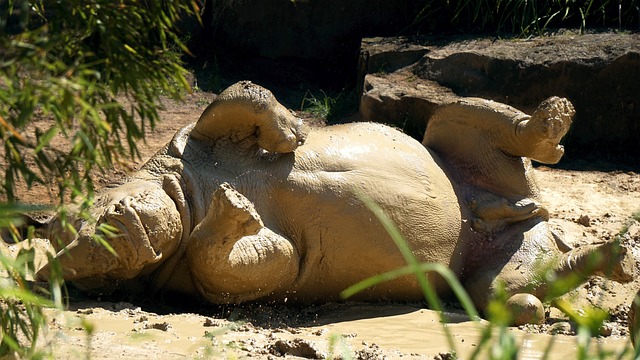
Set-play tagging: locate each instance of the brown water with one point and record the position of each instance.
(419, 331)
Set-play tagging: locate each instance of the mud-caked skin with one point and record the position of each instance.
(249, 204)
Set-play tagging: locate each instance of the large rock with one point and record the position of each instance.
(598, 73)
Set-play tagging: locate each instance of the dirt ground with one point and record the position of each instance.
(587, 204)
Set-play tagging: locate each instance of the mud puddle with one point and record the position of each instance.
(364, 331)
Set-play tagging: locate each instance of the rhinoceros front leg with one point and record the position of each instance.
(539, 136)
(233, 257)
(246, 111)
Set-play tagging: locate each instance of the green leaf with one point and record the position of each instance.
(45, 139)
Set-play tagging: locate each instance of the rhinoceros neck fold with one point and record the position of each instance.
(174, 185)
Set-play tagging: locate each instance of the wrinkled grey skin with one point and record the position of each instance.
(249, 204)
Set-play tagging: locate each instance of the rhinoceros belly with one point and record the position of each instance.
(321, 207)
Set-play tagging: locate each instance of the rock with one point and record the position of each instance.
(562, 328)
(606, 329)
(634, 230)
(444, 356)
(525, 309)
(584, 220)
(402, 100)
(163, 326)
(298, 347)
(596, 72)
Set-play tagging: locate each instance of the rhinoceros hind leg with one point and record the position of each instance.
(541, 134)
(233, 257)
(568, 270)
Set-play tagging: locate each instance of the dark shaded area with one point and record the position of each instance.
(328, 32)
(261, 314)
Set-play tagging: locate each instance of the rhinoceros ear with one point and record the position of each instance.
(248, 111)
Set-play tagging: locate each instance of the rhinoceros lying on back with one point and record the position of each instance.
(248, 204)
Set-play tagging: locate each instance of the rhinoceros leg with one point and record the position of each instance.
(539, 137)
(233, 257)
(550, 276)
(245, 111)
(498, 142)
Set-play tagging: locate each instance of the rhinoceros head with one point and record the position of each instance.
(138, 220)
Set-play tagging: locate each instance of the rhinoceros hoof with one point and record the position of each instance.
(546, 127)
(552, 118)
(525, 309)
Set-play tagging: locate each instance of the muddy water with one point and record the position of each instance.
(402, 331)
(419, 331)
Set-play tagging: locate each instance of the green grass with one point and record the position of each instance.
(525, 17)
(331, 107)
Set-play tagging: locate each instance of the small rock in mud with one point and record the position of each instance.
(607, 329)
(561, 328)
(209, 322)
(159, 326)
(584, 220)
(370, 352)
(297, 347)
(320, 332)
(141, 319)
(634, 230)
(444, 356)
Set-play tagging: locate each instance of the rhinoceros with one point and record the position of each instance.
(249, 203)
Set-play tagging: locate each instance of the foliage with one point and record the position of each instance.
(94, 72)
(330, 107)
(97, 69)
(524, 17)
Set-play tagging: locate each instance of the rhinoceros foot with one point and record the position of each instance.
(491, 213)
(233, 257)
(618, 263)
(541, 134)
